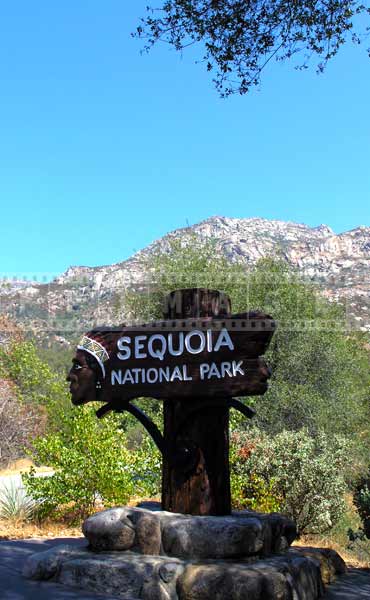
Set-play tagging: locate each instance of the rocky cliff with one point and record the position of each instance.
(83, 296)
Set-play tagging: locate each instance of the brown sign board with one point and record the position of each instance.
(182, 358)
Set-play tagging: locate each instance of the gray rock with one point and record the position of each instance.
(280, 578)
(109, 530)
(45, 565)
(154, 590)
(149, 532)
(329, 561)
(213, 537)
(124, 528)
(294, 575)
(218, 582)
(169, 571)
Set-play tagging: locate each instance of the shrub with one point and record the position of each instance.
(362, 502)
(303, 474)
(15, 504)
(254, 494)
(92, 464)
(320, 370)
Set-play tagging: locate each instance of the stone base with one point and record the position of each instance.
(160, 533)
(141, 554)
(299, 573)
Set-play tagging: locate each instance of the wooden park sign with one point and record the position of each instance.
(198, 359)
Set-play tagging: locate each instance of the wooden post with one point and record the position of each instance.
(196, 474)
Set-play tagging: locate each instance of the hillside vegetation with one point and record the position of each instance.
(306, 450)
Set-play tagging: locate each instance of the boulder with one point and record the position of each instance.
(132, 576)
(149, 532)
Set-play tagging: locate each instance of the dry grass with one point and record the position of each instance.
(20, 530)
(348, 557)
(51, 529)
(23, 465)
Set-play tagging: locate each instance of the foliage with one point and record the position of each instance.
(57, 357)
(18, 423)
(305, 474)
(359, 544)
(362, 503)
(27, 386)
(15, 504)
(35, 381)
(92, 464)
(320, 375)
(248, 490)
(240, 38)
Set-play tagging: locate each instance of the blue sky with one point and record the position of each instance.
(103, 150)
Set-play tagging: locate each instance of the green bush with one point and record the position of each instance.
(303, 473)
(362, 502)
(254, 493)
(92, 464)
(320, 374)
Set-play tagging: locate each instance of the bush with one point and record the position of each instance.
(320, 370)
(362, 502)
(16, 505)
(92, 464)
(304, 475)
(254, 494)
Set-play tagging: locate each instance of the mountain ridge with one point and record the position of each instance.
(82, 294)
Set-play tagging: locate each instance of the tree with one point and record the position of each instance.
(320, 375)
(241, 37)
(20, 418)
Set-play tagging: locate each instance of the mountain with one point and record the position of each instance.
(84, 296)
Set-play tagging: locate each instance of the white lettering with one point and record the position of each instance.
(127, 377)
(136, 372)
(226, 369)
(116, 376)
(209, 340)
(125, 352)
(224, 339)
(176, 374)
(185, 373)
(203, 370)
(159, 352)
(180, 349)
(139, 346)
(152, 375)
(214, 372)
(164, 374)
(202, 340)
(237, 368)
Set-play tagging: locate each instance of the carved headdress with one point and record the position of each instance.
(89, 343)
(101, 343)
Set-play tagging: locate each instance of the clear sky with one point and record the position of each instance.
(103, 150)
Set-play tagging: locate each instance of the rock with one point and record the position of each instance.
(295, 575)
(331, 564)
(245, 533)
(109, 530)
(124, 528)
(169, 571)
(117, 574)
(213, 537)
(148, 532)
(318, 253)
(45, 565)
(153, 590)
(219, 581)
(279, 578)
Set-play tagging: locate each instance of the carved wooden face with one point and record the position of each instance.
(83, 379)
